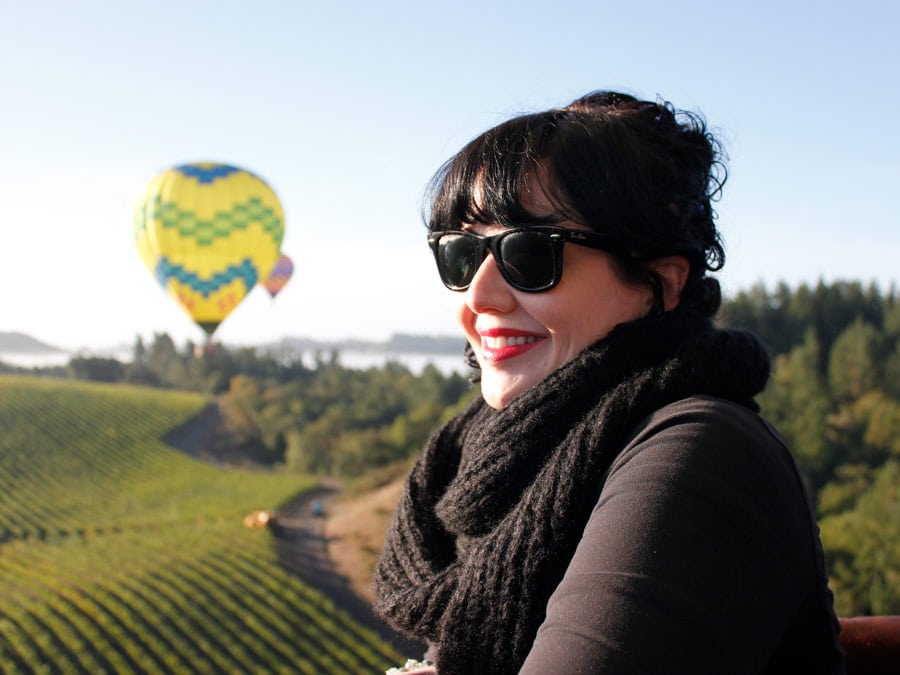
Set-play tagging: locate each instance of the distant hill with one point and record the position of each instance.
(399, 343)
(25, 344)
(19, 343)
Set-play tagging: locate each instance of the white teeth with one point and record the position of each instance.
(501, 342)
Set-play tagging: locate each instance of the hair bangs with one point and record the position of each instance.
(488, 180)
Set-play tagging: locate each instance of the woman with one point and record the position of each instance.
(612, 503)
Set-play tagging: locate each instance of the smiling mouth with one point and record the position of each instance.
(496, 348)
(502, 341)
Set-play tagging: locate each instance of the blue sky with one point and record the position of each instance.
(347, 108)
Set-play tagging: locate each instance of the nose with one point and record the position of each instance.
(489, 290)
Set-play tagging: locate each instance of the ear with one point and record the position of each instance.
(673, 271)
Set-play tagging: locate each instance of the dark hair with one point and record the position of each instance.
(640, 171)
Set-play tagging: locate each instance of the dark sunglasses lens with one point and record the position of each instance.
(528, 260)
(458, 258)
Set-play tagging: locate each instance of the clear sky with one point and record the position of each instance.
(347, 108)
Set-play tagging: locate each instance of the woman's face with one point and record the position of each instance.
(519, 338)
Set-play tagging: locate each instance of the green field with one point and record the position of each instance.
(121, 555)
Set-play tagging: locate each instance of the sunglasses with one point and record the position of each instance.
(529, 258)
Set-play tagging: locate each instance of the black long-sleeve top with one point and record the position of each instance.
(702, 555)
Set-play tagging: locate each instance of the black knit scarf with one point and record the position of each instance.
(495, 505)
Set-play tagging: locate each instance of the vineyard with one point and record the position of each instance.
(121, 555)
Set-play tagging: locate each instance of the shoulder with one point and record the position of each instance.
(711, 417)
(701, 528)
(708, 460)
(705, 431)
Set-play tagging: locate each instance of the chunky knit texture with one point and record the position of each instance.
(495, 505)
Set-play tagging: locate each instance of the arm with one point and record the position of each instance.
(696, 559)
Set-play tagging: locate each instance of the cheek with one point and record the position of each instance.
(585, 316)
(464, 316)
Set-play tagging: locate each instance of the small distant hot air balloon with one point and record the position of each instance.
(208, 232)
(280, 275)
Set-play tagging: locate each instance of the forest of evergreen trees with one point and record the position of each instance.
(834, 396)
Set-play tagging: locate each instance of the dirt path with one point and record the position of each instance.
(300, 539)
(302, 548)
(197, 436)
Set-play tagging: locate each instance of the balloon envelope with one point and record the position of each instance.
(208, 232)
(280, 275)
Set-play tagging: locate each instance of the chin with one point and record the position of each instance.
(499, 394)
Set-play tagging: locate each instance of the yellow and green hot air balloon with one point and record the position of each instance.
(209, 232)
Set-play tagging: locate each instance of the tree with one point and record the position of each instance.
(892, 369)
(767, 316)
(798, 404)
(164, 360)
(96, 368)
(853, 361)
(139, 352)
(863, 549)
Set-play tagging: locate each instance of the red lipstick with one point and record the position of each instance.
(500, 344)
